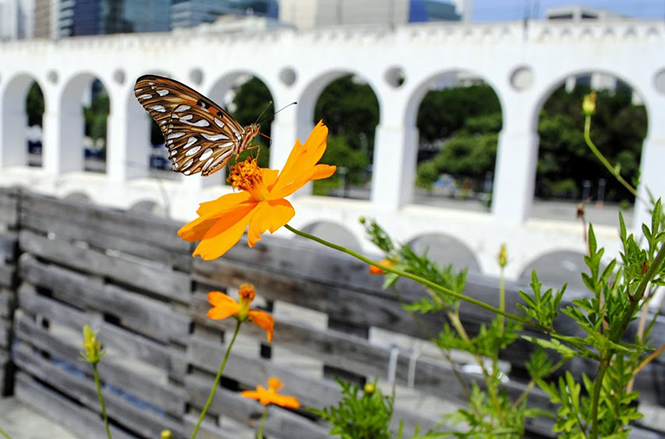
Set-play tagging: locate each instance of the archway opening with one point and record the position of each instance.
(568, 174)
(96, 109)
(248, 100)
(446, 250)
(350, 109)
(459, 119)
(34, 107)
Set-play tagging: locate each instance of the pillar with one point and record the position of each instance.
(652, 178)
(517, 154)
(128, 138)
(394, 168)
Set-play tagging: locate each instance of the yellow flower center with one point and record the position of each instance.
(247, 295)
(247, 176)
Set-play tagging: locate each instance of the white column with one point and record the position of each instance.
(128, 139)
(517, 154)
(13, 145)
(63, 141)
(651, 166)
(393, 175)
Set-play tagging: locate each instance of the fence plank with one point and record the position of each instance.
(142, 314)
(160, 280)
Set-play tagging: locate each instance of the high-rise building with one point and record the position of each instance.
(103, 17)
(16, 19)
(305, 14)
(191, 13)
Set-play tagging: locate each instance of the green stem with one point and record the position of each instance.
(417, 279)
(603, 160)
(259, 434)
(101, 400)
(595, 400)
(4, 434)
(502, 298)
(639, 292)
(216, 383)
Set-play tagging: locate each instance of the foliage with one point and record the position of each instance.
(34, 105)
(620, 128)
(350, 109)
(490, 410)
(351, 164)
(444, 112)
(96, 116)
(365, 415)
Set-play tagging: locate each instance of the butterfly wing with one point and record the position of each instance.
(199, 134)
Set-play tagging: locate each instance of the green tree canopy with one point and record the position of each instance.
(34, 105)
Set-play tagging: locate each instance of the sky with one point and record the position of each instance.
(502, 10)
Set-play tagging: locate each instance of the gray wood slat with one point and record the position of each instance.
(157, 279)
(139, 313)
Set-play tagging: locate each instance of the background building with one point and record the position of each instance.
(16, 19)
(306, 14)
(191, 13)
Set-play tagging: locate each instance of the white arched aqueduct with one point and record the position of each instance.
(523, 64)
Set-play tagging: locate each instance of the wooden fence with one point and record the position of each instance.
(131, 278)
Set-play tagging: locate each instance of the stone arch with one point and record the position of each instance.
(355, 181)
(468, 185)
(310, 94)
(557, 267)
(14, 121)
(445, 250)
(572, 188)
(419, 90)
(220, 85)
(336, 232)
(78, 197)
(71, 121)
(551, 86)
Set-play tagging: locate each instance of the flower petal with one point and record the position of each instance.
(270, 215)
(264, 321)
(225, 233)
(222, 203)
(285, 401)
(223, 306)
(301, 161)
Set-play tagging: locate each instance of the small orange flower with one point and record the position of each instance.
(373, 269)
(261, 204)
(270, 395)
(224, 306)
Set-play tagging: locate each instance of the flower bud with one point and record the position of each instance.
(589, 104)
(93, 350)
(369, 389)
(503, 256)
(166, 434)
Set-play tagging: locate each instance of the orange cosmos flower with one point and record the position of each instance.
(270, 395)
(224, 306)
(261, 204)
(373, 269)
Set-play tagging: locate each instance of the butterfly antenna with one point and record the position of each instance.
(258, 119)
(284, 107)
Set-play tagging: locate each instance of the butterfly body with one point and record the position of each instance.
(200, 135)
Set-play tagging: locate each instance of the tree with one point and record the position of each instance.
(34, 105)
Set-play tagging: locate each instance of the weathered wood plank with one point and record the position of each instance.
(251, 371)
(179, 258)
(153, 229)
(5, 333)
(120, 341)
(153, 277)
(8, 206)
(147, 386)
(7, 303)
(7, 273)
(140, 313)
(280, 423)
(141, 420)
(8, 245)
(80, 421)
(432, 376)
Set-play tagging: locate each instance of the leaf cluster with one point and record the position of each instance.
(360, 414)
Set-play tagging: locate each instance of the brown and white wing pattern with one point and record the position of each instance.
(199, 134)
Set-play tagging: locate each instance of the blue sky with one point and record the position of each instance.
(502, 10)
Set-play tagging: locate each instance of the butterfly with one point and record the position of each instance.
(199, 134)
